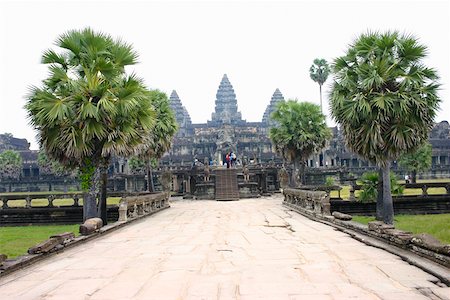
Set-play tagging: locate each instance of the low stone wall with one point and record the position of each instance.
(423, 244)
(408, 205)
(49, 215)
(248, 190)
(136, 206)
(316, 203)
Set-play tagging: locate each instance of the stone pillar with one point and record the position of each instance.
(188, 185)
(175, 183)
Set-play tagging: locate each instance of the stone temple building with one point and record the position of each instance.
(225, 131)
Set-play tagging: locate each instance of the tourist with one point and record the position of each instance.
(406, 178)
(228, 160)
(233, 159)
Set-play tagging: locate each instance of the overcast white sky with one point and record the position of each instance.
(189, 45)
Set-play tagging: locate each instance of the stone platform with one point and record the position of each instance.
(247, 249)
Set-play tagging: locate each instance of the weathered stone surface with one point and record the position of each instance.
(90, 226)
(429, 242)
(64, 237)
(45, 246)
(341, 216)
(398, 236)
(251, 249)
(379, 226)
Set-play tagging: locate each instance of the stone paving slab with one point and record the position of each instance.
(247, 249)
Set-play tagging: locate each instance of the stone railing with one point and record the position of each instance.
(312, 202)
(50, 197)
(145, 204)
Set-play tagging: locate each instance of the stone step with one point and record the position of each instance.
(226, 185)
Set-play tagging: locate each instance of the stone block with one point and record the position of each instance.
(429, 242)
(341, 216)
(90, 226)
(379, 226)
(398, 236)
(45, 246)
(65, 237)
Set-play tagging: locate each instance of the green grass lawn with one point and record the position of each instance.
(436, 225)
(15, 241)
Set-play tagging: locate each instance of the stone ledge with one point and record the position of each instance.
(20, 262)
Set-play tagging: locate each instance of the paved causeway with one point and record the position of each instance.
(248, 249)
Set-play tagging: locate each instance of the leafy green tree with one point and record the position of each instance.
(160, 139)
(301, 132)
(10, 164)
(369, 186)
(49, 166)
(385, 100)
(89, 109)
(319, 72)
(136, 165)
(417, 161)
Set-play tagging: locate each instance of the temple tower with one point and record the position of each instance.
(226, 111)
(181, 114)
(277, 97)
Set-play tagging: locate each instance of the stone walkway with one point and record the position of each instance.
(248, 249)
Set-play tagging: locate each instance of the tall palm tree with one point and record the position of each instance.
(89, 109)
(385, 99)
(160, 138)
(301, 132)
(319, 72)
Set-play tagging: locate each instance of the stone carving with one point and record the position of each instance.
(246, 173)
(207, 171)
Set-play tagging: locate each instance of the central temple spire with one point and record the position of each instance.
(226, 111)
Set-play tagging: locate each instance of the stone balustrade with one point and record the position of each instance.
(136, 206)
(311, 202)
(423, 186)
(50, 198)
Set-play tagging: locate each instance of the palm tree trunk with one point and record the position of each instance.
(296, 173)
(90, 198)
(150, 183)
(320, 89)
(388, 207)
(379, 213)
(302, 172)
(102, 207)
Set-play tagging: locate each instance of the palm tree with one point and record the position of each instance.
(301, 132)
(385, 99)
(89, 109)
(319, 72)
(160, 139)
